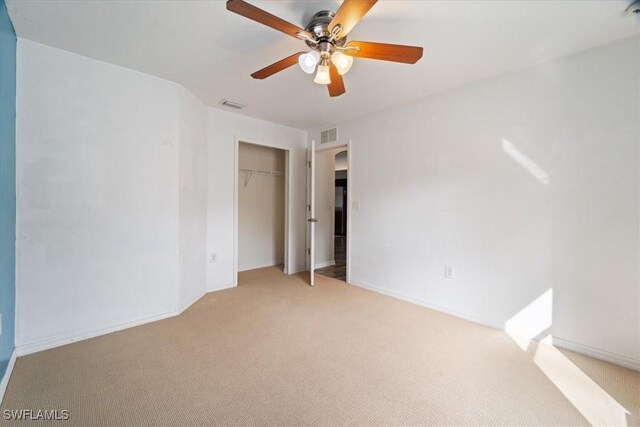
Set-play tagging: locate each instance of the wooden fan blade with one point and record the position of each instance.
(276, 67)
(385, 52)
(256, 14)
(336, 87)
(349, 14)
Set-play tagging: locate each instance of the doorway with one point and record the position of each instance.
(332, 188)
(338, 233)
(261, 207)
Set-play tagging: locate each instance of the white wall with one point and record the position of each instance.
(224, 129)
(522, 183)
(125, 186)
(193, 199)
(261, 207)
(103, 207)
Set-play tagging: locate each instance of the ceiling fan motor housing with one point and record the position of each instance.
(318, 27)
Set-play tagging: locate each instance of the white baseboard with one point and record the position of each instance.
(325, 264)
(190, 303)
(597, 353)
(299, 269)
(557, 342)
(221, 288)
(60, 340)
(7, 375)
(428, 304)
(71, 337)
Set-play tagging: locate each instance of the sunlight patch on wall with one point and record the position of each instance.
(525, 162)
(533, 323)
(532, 320)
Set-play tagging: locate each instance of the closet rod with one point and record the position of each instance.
(251, 172)
(260, 172)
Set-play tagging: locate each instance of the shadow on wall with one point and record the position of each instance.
(530, 328)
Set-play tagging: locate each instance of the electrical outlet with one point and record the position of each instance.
(213, 258)
(448, 272)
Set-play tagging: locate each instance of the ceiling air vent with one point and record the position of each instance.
(231, 104)
(329, 135)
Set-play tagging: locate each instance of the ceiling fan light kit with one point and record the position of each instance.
(331, 57)
(342, 62)
(308, 61)
(323, 76)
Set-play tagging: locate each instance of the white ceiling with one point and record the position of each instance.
(212, 52)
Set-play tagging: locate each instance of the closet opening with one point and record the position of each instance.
(261, 207)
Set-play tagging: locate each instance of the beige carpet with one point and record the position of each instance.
(275, 351)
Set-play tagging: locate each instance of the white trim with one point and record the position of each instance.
(299, 269)
(586, 350)
(597, 353)
(325, 264)
(236, 166)
(341, 143)
(7, 374)
(345, 143)
(427, 304)
(222, 288)
(287, 210)
(287, 200)
(266, 265)
(190, 303)
(349, 234)
(71, 337)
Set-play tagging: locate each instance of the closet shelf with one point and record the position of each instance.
(251, 172)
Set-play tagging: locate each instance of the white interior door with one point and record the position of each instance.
(312, 212)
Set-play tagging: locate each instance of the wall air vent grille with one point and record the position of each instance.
(329, 135)
(232, 104)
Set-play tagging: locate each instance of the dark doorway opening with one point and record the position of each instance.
(339, 269)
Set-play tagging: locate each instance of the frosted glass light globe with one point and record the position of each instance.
(342, 62)
(308, 61)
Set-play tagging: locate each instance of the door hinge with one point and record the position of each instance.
(309, 251)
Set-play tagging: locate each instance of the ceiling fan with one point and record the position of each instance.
(326, 35)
